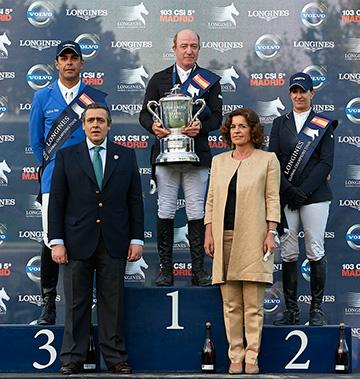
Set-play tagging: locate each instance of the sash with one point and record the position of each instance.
(68, 121)
(198, 83)
(309, 137)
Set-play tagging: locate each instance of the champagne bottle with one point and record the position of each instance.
(342, 353)
(208, 352)
(90, 364)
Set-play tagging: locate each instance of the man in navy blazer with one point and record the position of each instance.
(96, 222)
(48, 104)
(304, 144)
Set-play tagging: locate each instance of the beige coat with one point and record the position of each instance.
(257, 201)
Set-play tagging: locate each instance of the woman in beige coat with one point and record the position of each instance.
(242, 211)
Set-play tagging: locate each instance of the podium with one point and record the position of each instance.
(165, 330)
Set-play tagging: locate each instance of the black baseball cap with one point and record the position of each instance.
(302, 80)
(69, 45)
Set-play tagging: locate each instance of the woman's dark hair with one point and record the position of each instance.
(252, 119)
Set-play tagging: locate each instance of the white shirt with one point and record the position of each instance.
(300, 119)
(102, 153)
(69, 93)
(183, 75)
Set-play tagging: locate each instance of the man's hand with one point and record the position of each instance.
(59, 254)
(159, 130)
(193, 129)
(135, 252)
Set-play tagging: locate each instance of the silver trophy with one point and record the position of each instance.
(175, 112)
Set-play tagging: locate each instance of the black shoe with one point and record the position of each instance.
(201, 279)
(289, 318)
(48, 312)
(165, 279)
(71, 368)
(121, 368)
(317, 317)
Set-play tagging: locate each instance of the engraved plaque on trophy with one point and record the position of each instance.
(176, 112)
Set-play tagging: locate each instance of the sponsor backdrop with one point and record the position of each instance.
(253, 45)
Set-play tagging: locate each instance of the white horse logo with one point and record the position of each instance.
(224, 14)
(133, 76)
(3, 296)
(227, 75)
(270, 108)
(4, 168)
(135, 268)
(4, 40)
(133, 13)
(181, 235)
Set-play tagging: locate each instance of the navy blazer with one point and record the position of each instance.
(159, 86)
(313, 180)
(79, 212)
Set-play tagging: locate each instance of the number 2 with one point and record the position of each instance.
(304, 342)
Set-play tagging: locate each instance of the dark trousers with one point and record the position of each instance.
(78, 290)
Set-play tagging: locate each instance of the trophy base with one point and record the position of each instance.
(177, 157)
(177, 148)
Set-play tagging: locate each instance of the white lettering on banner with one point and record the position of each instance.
(174, 311)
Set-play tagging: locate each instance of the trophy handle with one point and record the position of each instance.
(203, 105)
(149, 104)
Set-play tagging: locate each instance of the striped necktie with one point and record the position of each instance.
(97, 163)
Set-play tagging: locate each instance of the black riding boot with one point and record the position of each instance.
(196, 238)
(289, 278)
(317, 284)
(49, 278)
(165, 240)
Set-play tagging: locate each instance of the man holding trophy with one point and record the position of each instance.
(189, 104)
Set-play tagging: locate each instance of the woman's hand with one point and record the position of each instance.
(269, 243)
(209, 241)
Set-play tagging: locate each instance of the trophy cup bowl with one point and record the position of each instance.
(176, 112)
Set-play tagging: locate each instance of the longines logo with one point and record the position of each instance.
(353, 300)
(132, 79)
(34, 208)
(269, 14)
(132, 16)
(307, 299)
(34, 299)
(130, 109)
(353, 49)
(228, 108)
(318, 108)
(7, 75)
(352, 175)
(4, 40)
(134, 271)
(223, 17)
(227, 79)
(86, 14)
(269, 110)
(350, 203)
(24, 107)
(7, 138)
(7, 203)
(350, 140)
(131, 46)
(39, 44)
(349, 76)
(145, 170)
(4, 170)
(34, 235)
(314, 45)
(222, 46)
(181, 237)
(3, 297)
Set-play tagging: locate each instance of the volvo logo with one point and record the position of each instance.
(40, 14)
(267, 46)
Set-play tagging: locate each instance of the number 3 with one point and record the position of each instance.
(47, 346)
